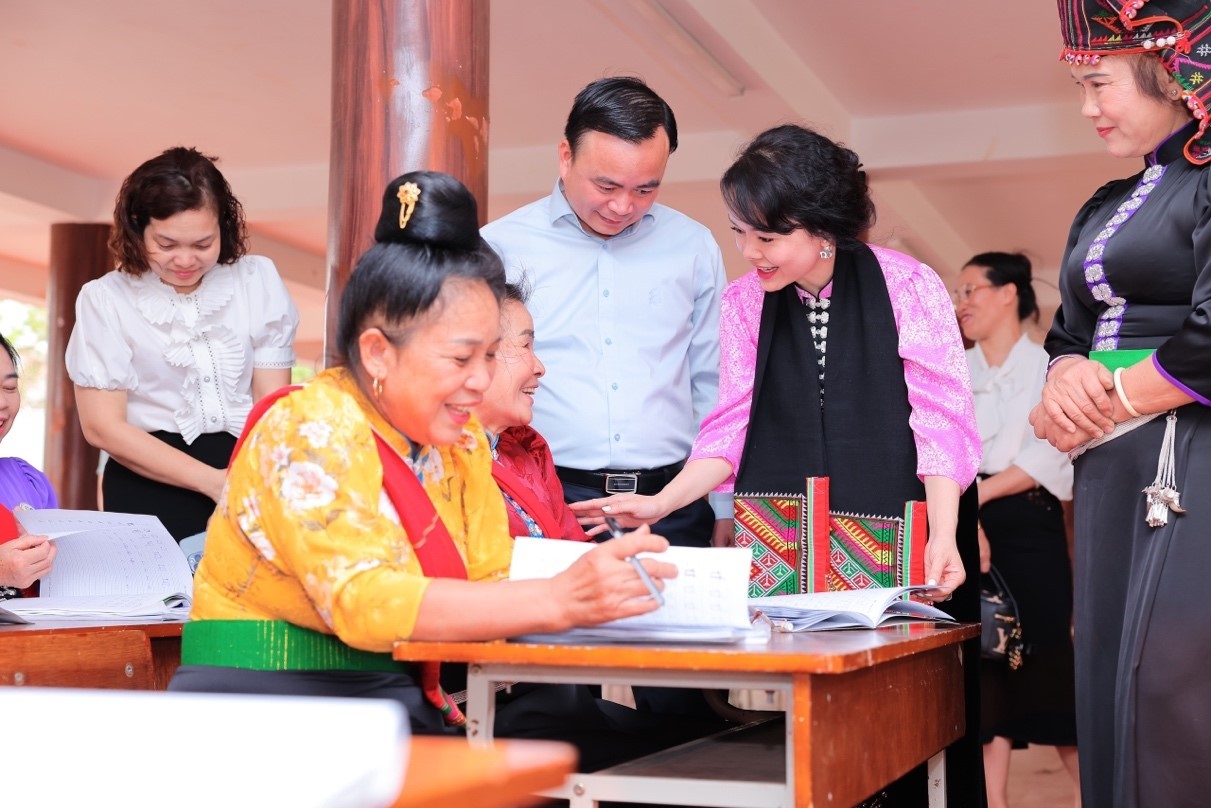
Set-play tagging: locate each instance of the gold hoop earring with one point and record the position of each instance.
(377, 387)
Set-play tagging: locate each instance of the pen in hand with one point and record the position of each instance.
(616, 531)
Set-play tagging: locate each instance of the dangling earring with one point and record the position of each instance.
(377, 387)
(826, 252)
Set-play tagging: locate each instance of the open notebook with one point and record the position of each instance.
(109, 566)
(856, 608)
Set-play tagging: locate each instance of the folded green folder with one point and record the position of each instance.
(1121, 359)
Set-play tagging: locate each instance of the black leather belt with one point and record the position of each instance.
(620, 481)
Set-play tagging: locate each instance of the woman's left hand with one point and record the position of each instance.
(943, 566)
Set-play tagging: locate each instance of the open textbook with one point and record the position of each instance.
(706, 602)
(109, 566)
(855, 608)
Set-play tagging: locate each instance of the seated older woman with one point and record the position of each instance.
(23, 559)
(360, 509)
(521, 460)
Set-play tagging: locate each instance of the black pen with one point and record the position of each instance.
(616, 531)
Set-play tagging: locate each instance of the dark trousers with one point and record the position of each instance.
(690, 526)
(183, 512)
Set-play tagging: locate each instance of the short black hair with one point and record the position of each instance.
(790, 177)
(12, 353)
(402, 276)
(1001, 268)
(623, 107)
(172, 182)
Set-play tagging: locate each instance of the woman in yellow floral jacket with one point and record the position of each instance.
(313, 567)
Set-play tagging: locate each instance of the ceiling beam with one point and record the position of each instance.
(43, 191)
(775, 61)
(927, 234)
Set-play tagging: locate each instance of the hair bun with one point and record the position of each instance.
(428, 208)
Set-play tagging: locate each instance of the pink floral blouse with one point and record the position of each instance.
(935, 370)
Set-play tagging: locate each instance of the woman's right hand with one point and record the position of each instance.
(1075, 402)
(603, 585)
(631, 510)
(25, 559)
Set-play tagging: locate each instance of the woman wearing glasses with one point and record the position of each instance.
(1022, 480)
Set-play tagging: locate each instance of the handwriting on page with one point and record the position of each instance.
(109, 554)
(710, 588)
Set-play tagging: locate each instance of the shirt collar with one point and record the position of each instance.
(1173, 147)
(560, 210)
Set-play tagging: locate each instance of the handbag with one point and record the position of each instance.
(799, 545)
(1001, 626)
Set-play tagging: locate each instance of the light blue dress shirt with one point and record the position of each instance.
(628, 328)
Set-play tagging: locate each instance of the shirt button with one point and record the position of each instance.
(606, 293)
(617, 437)
(614, 386)
(213, 419)
(609, 341)
(206, 378)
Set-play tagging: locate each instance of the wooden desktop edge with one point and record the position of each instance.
(804, 652)
(448, 773)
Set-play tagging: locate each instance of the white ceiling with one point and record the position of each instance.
(964, 117)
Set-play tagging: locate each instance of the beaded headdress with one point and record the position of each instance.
(1178, 31)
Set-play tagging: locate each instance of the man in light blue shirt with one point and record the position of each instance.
(625, 298)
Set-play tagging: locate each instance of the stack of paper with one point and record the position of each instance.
(706, 602)
(109, 566)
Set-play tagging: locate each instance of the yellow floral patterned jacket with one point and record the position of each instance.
(305, 532)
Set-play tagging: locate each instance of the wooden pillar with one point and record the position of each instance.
(78, 254)
(409, 92)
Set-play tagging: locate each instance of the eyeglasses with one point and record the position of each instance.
(961, 294)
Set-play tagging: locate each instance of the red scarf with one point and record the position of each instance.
(435, 550)
(525, 496)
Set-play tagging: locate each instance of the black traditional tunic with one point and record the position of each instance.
(1143, 624)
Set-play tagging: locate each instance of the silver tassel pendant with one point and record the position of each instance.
(1162, 495)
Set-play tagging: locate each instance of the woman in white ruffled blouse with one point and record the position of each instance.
(171, 349)
(1022, 480)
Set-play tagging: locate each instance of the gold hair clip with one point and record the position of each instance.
(408, 193)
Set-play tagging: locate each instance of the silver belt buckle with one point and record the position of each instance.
(621, 483)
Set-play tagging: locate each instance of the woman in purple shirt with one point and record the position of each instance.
(892, 419)
(23, 559)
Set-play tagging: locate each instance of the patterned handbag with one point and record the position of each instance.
(800, 546)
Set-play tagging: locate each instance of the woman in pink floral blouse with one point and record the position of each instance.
(837, 359)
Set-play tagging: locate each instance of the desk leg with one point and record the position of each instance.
(798, 740)
(936, 772)
(480, 706)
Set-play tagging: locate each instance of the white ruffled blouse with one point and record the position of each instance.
(1004, 397)
(184, 360)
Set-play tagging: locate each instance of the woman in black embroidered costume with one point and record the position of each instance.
(1130, 378)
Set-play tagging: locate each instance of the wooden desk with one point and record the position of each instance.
(449, 773)
(864, 707)
(163, 637)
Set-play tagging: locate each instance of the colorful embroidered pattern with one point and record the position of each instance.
(798, 546)
(863, 551)
(773, 528)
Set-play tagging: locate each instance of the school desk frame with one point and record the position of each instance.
(863, 708)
